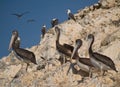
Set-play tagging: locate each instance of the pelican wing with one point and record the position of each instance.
(71, 48)
(25, 54)
(86, 61)
(106, 60)
(63, 50)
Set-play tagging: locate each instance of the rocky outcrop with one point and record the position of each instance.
(102, 20)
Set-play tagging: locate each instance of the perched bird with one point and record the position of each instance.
(22, 54)
(70, 15)
(19, 15)
(98, 60)
(54, 22)
(64, 49)
(43, 30)
(84, 63)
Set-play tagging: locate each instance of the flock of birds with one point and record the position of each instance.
(97, 61)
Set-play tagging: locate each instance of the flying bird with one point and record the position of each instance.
(30, 20)
(19, 15)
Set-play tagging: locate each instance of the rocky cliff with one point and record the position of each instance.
(102, 20)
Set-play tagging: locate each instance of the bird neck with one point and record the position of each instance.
(16, 45)
(58, 37)
(90, 46)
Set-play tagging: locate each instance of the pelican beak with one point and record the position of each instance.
(74, 51)
(11, 42)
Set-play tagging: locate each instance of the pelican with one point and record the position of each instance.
(98, 60)
(84, 63)
(22, 54)
(65, 48)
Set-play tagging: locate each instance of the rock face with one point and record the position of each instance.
(103, 23)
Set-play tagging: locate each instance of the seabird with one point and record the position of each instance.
(43, 30)
(54, 22)
(22, 54)
(30, 20)
(19, 15)
(98, 60)
(84, 63)
(71, 16)
(65, 48)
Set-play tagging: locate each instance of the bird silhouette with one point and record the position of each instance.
(31, 20)
(19, 15)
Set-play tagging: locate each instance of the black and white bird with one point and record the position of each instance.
(22, 54)
(43, 31)
(98, 60)
(70, 15)
(54, 22)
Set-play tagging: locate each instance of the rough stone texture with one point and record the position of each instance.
(107, 3)
(103, 23)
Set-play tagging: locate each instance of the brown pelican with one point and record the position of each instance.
(22, 54)
(54, 22)
(100, 61)
(71, 16)
(43, 30)
(65, 48)
(19, 15)
(84, 63)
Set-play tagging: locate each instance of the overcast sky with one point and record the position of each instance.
(42, 11)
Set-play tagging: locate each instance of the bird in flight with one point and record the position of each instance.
(19, 15)
(31, 20)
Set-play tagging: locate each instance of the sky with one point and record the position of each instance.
(42, 11)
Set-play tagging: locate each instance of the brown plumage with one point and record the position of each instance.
(22, 54)
(84, 63)
(100, 61)
(65, 48)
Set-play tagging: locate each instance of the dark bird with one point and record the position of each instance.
(19, 15)
(22, 54)
(54, 22)
(31, 20)
(43, 30)
(70, 15)
(65, 48)
(98, 60)
(84, 63)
